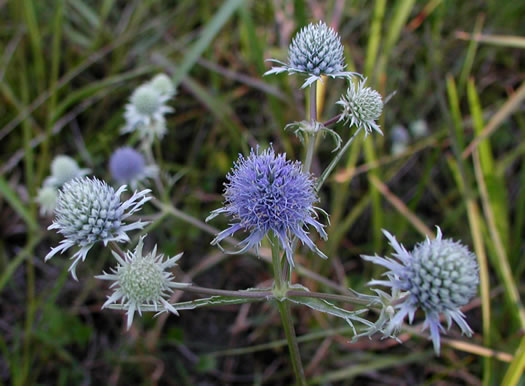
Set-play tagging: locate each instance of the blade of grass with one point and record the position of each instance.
(497, 40)
(512, 104)
(494, 202)
(402, 208)
(471, 54)
(374, 37)
(36, 41)
(17, 260)
(397, 22)
(517, 366)
(458, 169)
(55, 66)
(208, 33)
(504, 268)
(379, 363)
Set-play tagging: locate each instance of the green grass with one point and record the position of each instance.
(67, 68)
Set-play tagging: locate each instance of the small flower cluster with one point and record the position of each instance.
(147, 108)
(63, 169)
(316, 51)
(439, 277)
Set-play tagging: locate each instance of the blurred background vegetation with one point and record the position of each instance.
(452, 155)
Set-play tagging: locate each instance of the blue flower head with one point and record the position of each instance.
(266, 192)
(315, 51)
(439, 276)
(127, 166)
(88, 211)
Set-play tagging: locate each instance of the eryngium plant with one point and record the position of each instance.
(127, 166)
(163, 84)
(145, 113)
(63, 169)
(315, 51)
(142, 280)
(266, 192)
(362, 106)
(439, 276)
(87, 211)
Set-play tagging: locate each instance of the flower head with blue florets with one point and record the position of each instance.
(315, 51)
(266, 192)
(439, 276)
(127, 166)
(87, 211)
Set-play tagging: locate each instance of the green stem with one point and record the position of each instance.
(218, 292)
(336, 159)
(276, 264)
(289, 330)
(312, 138)
(284, 311)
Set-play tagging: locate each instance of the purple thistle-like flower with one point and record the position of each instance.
(439, 276)
(266, 192)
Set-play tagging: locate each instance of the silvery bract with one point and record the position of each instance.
(141, 280)
(266, 192)
(439, 276)
(145, 113)
(127, 166)
(362, 106)
(315, 51)
(63, 169)
(87, 211)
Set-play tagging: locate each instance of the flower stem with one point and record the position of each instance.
(336, 159)
(332, 120)
(219, 292)
(312, 138)
(284, 311)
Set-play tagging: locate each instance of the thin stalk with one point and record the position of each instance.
(320, 295)
(286, 317)
(312, 138)
(336, 159)
(237, 294)
(332, 120)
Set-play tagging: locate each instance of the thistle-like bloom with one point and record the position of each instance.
(63, 169)
(315, 51)
(127, 166)
(89, 210)
(145, 113)
(362, 106)
(439, 276)
(142, 280)
(47, 199)
(163, 84)
(265, 192)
